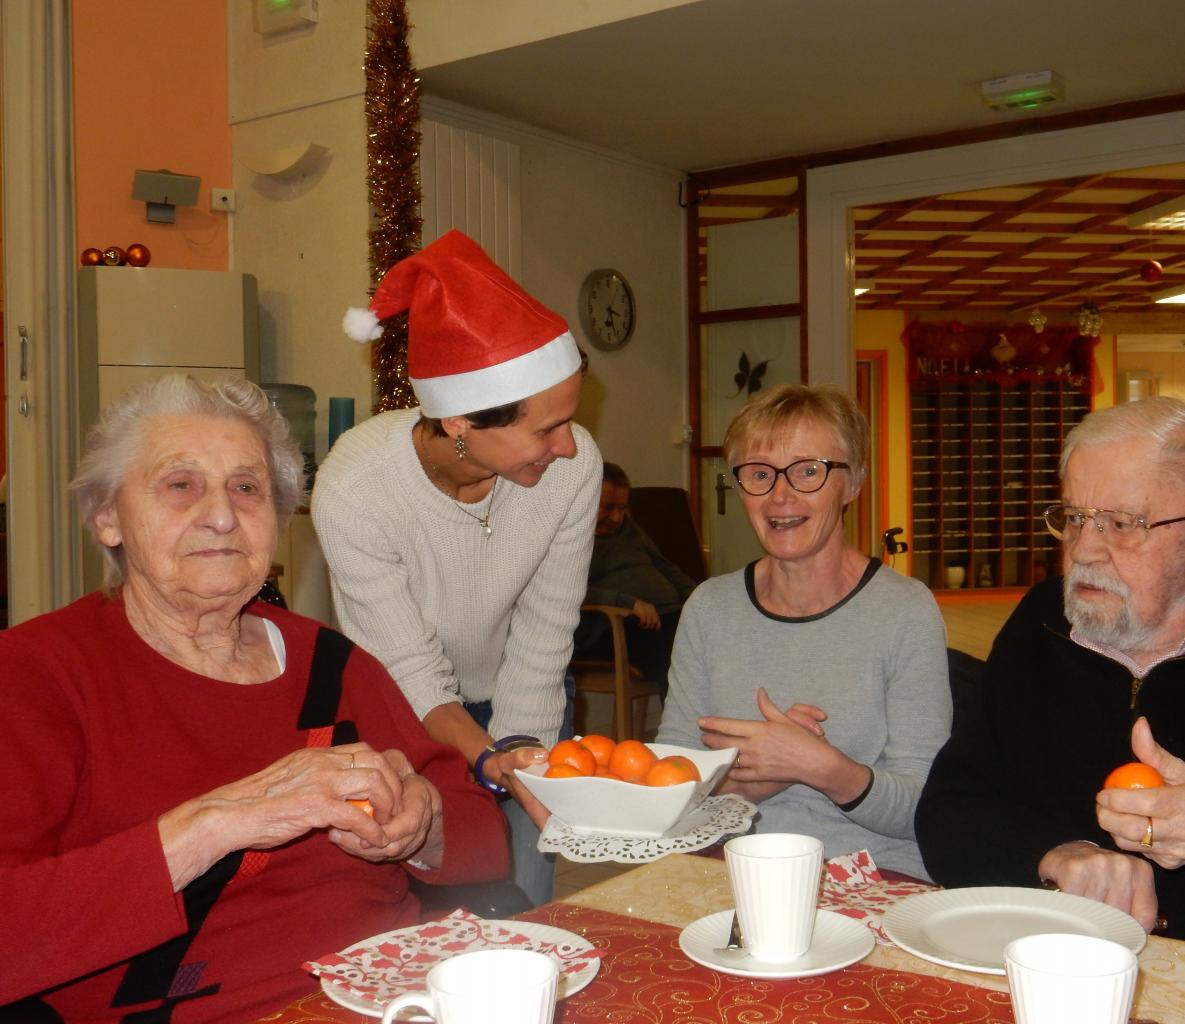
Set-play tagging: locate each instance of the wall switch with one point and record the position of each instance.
(222, 200)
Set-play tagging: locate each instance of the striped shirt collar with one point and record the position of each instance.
(1125, 660)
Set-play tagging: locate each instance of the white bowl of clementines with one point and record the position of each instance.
(626, 789)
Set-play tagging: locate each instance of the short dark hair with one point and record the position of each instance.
(614, 474)
(498, 416)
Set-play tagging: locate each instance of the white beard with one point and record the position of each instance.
(1108, 627)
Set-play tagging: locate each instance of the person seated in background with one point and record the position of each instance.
(825, 668)
(628, 571)
(202, 791)
(1087, 672)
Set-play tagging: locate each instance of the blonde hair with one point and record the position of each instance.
(113, 445)
(772, 412)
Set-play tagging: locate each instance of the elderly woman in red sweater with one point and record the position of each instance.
(203, 791)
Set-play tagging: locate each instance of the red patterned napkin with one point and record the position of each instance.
(380, 968)
(853, 886)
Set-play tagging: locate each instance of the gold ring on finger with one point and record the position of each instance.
(1147, 840)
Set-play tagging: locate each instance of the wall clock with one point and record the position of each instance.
(607, 309)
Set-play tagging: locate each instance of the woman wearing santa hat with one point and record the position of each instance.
(458, 534)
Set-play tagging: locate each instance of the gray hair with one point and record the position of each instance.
(114, 442)
(1161, 419)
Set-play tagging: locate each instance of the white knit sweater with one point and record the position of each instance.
(452, 614)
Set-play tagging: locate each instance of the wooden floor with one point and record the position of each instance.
(971, 626)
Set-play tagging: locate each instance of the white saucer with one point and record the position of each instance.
(373, 974)
(837, 942)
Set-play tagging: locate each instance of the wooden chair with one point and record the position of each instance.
(630, 691)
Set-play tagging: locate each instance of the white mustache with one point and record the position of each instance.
(1090, 576)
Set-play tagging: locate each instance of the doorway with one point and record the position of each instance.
(38, 303)
(744, 285)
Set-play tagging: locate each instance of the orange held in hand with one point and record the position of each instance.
(363, 805)
(1134, 775)
(671, 770)
(571, 753)
(631, 760)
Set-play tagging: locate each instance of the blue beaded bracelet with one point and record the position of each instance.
(499, 746)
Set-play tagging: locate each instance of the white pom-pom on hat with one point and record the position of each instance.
(362, 325)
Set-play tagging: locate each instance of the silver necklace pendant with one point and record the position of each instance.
(485, 529)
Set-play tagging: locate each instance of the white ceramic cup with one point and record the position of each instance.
(487, 986)
(775, 883)
(1070, 979)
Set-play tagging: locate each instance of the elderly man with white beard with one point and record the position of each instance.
(1088, 673)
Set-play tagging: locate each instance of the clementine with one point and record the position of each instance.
(572, 753)
(601, 747)
(604, 773)
(1134, 775)
(671, 770)
(563, 771)
(631, 760)
(363, 805)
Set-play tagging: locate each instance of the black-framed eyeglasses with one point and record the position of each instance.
(1119, 529)
(805, 475)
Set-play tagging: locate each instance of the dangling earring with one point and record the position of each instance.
(459, 444)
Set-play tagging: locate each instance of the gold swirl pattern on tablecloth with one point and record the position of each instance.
(645, 979)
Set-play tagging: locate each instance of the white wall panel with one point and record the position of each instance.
(471, 182)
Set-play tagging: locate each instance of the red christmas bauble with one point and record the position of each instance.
(114, 256)
(1151, 271)
(138, 255)
(91, 257)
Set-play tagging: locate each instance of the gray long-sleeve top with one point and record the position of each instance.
(875, 663)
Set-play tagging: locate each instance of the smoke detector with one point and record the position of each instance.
(1024, 91)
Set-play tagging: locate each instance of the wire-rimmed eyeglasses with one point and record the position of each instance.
(1118, 529)
(805, 475)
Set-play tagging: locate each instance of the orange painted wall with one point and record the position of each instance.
(150, 93)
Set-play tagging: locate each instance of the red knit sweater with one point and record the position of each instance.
(99, 735)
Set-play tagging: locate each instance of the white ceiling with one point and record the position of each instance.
(725, 82)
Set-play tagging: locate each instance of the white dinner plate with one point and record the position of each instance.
(544, 937)
(969, 928)
(837, 942)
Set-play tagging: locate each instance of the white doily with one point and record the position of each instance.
(716, 817)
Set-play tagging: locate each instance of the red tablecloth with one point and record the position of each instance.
(646, 979)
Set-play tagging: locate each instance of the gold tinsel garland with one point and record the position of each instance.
(392, 158)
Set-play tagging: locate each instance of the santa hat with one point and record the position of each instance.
(476, 340)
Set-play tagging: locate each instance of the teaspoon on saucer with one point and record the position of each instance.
(736, 941)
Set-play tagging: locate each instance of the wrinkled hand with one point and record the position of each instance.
(412, 826)
(1116, 879)
(302, 792)
(1125, 812)
(647, 615)
(503, 765)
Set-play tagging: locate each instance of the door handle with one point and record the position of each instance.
(722, 488)
(23, 333)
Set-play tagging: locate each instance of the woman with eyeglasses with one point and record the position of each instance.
(825, 668)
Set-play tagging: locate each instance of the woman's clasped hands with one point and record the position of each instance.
(372, 804)
(779, 749)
